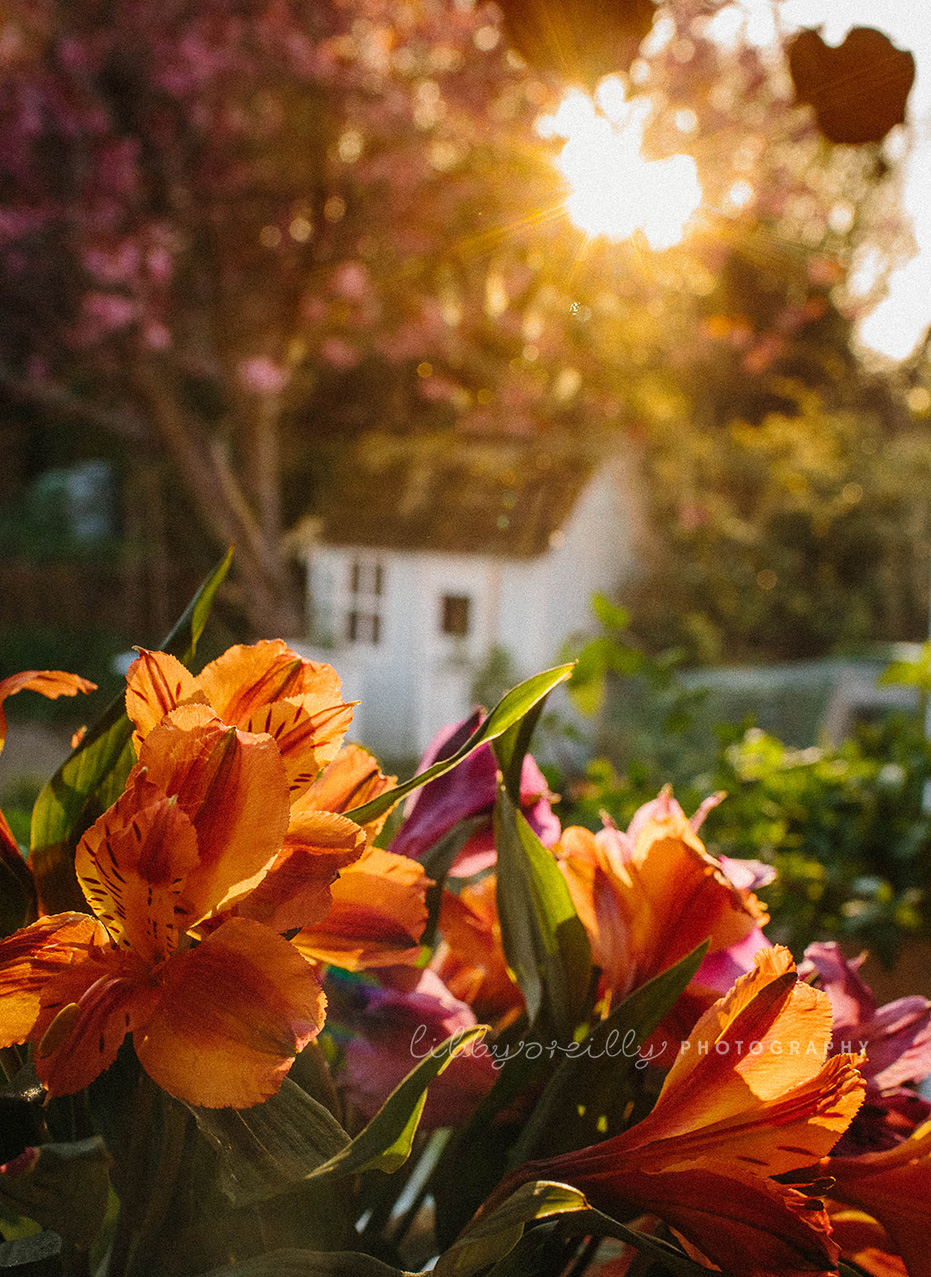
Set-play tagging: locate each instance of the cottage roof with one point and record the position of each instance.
(475, 495)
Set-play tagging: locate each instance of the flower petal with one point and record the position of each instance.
(132, 865)
(308, 735)
(776, 1135)
(353, 778)
(232, 1015)
(437, 806)
(647, 902)
(769, 1006)
(470, 959)
(398, 1022)
(233, 788)
(156, 683)
(295, 891)
(87, 1011)
(898, 1195)
(49, 683)
(864, 1242)
(31, 957)
(247, 678)
(751, 1082)
(746, 1225)
(378, 914)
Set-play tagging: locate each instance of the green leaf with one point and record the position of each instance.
(544, 941)
(309, 1263)
(437, 862)
(385, 1143)
(611, 616)
(592, 1223)
(915, 673)
(497, 1233)
(595, 1076)
(65, 1190)
(17, 889)
(539, 1253)
(511, 748)
(509, 710)
(266, 1149)
(94, 773)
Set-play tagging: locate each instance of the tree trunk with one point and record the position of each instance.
(199, 461)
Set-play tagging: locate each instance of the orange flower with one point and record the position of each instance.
(648, 900)
(202, 819)
(267, 688)
(377, 915)
(894, 1188)
(751, 1095)
(470, 959)
(263, 688)
(864, 1242)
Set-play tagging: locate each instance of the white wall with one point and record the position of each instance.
(417, 679)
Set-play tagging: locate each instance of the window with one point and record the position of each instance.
(455, 615)
(363, 615)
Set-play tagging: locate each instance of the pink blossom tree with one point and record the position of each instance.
(214, 215)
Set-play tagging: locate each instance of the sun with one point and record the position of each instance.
(614, 190)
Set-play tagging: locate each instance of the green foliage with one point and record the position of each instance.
(494, 1236)
(505, 715)
(66, 1190)
(386, 1141)
(791, 533)
(844, 826)
(544, 941)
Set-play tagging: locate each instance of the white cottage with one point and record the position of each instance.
(429, 555)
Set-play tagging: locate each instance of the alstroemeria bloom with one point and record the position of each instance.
(751, 1095)
(201, 821)
(296, 890)
(894, 1188)
(469, 791)
(262, 688)
(649, 896)
(470, 957)
(376, 918)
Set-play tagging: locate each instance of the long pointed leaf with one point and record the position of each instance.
(385, 1143)
(509, 710)
(544, 940)
(601, 1066)
(267, 1149)
(493, 1236)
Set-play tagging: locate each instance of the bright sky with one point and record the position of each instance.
(899, 322)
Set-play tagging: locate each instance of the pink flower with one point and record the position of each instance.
(339, 353)
(262, 376)
(897, 1041)
(469, 791)
(392, 1027)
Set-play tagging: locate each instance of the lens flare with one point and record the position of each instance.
(614, 190)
